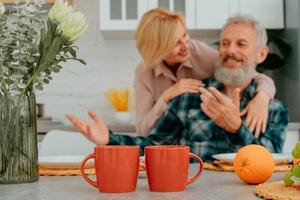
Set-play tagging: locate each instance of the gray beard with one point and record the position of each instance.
(236, 77)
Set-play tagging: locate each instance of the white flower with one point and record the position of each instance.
(2, 9)
(59, 10)
(72, 26)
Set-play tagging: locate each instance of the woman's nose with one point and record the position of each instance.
(184, 42)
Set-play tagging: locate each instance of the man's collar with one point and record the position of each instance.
(249, 92)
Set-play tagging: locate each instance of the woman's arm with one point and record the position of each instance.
(147, 110)
(257, 121)
(265, 84)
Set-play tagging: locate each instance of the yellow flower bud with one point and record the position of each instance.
(2, 9)
(72, 26)
(59, 10)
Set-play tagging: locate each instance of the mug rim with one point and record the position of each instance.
(167, 147)
(118, 147)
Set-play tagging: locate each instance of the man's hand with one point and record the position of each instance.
(222, 110)
(257, 113)
(97, 133)
(181, 87)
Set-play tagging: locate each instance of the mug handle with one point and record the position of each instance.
(90, 181)
(189, 181)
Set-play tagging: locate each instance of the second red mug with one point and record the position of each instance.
(167, 167)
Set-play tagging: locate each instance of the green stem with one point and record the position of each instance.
(3, 88)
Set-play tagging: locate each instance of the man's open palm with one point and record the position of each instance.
(97, 132)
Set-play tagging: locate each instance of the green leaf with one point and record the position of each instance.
(72, 52)
(48, 37)
(82, 61)
(46, 81)
(39, 87)
(55, 69)
(53, 50)
(30, 59)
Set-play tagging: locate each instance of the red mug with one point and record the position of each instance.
(167, 167)
(116, 168)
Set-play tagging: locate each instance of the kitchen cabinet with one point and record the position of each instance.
(269, 12)
(118, 15)
(199, 14)
(186, 7)
(212, 14)
(125, 14)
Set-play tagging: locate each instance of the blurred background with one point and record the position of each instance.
(109, 49)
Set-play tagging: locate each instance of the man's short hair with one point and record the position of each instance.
(261, 32)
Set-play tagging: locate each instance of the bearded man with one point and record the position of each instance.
(211, 122)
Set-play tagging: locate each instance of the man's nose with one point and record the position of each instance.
(231, 50)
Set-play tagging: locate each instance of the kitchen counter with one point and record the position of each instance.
(211, 185)
(44, 126)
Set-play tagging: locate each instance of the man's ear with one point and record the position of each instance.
(262, 54)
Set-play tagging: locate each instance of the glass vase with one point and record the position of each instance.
(18, 140)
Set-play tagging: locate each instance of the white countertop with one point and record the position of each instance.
(210, 186)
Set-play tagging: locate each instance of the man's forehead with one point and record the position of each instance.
(238, 31)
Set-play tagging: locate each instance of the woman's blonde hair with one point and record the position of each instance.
(157, 33)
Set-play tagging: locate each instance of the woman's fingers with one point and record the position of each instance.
(193, 82)
(251, 122)
(258, 128)
(264, 126)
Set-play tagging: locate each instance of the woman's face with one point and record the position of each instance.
(181, 52)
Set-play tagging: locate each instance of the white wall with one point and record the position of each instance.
(110, 63)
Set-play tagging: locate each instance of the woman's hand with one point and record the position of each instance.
(97, 133)
(181, 87)
(257, 113)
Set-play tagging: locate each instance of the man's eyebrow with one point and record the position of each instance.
(243, 40)
(225, 39)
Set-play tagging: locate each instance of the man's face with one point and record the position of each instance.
(239, 54)
(238, 46)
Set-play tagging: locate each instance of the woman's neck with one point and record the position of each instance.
(172, 67)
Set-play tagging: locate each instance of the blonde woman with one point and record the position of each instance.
(173, 64)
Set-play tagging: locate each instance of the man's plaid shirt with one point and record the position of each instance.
(185, 124)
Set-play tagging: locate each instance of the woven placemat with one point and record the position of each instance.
(64, 172)
(76, 172)
(225, 167)
(277, 190)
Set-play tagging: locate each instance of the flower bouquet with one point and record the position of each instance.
(32, 48)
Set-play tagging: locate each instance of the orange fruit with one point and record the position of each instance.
(254, 164)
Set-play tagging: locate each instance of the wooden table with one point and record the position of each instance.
(210, 186)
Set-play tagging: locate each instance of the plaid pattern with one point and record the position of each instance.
(185, 124)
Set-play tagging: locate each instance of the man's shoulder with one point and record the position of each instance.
(278, 112)
(277, 105)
